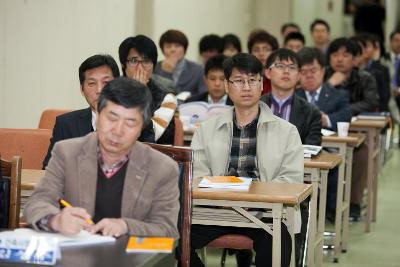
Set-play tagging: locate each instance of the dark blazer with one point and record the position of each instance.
(333, 102)
(79, 123)
(204, 98)
(306, 117)
(150, 197)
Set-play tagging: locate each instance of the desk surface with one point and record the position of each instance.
(324, 161)
(29, 178)
(108, 255)
(353, 139)
(290, 194)
(368, 124)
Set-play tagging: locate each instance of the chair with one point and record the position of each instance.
(178, 138)
(229, 241)
(184, 157)
(11, 172)
(48, 117)
(30, 144)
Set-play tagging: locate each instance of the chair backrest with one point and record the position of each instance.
(11, 191)
(178, 138)
(30, 144)
(184, 157)
(48, 117)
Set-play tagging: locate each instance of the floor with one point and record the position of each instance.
(380, 247)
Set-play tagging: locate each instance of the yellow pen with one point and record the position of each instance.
(66, 204)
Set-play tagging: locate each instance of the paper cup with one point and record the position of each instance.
(343, 128)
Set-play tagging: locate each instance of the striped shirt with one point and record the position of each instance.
(282, 108)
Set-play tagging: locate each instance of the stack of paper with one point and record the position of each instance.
(326, 132)
(226, 182)
(310, 150)
(150, 244)
(372, 115)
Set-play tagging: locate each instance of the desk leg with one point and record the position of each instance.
(370, 175)
(347, 193)
(377, 165)
(313, 236)
(290, 227)
(277, 209)
(321, 218)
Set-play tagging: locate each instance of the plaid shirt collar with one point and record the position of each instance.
(109, 171)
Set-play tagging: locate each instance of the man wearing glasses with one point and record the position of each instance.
(283, 69)
(138, 57)
(246, 141)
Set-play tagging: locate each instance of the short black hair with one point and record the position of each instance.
(294, 36)
(393, 33)
(319, 21)
(342, 42)
(129, 94)
(244, 62)
(232, 40)
(214, 63)
(98, 61)
(283, 54)
(370, 37)
(307, 55)
(289, 24)
(261, 36)
(211, 42)
(360, 43)
(142, 44)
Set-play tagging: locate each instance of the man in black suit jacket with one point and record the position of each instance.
(214, 79)
(284, 72)
(333, 103)
(94, 73)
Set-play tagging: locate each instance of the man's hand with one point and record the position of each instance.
(70, 221)
(140, 75)
(170, 61)
(337, 78)
(324, 119)
(110, 227)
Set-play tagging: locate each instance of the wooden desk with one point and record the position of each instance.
(372, 129)
(345, 145)
(29, 178)
(107, 255)
(318, 168)
(280, 198)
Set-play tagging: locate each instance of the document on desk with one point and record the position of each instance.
(150, 244)
(226, 182)
(84, 238)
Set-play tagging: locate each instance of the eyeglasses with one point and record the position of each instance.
(134, 61)
(311, 70)
(252, 82)
(282, 67)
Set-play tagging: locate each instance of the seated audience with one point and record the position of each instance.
(214, 79)
(186, 75)
(210, 45)
(320, 33)
(94, 73)
(294, 41)
(261, 44)
(232, 45)
(235, 142)
(124, 186)
(138, 56)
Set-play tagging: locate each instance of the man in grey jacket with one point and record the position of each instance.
(246, 141)
(123, 186)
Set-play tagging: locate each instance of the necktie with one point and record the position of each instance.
(313, 96)
(395, 80)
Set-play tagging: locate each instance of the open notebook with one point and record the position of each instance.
(82, 239)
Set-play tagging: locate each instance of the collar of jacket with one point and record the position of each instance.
(266, 116)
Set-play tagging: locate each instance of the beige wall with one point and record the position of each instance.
(43, 43)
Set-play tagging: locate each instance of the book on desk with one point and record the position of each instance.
(310, 150)
(225, 182)
(373, 115)
(150, 244)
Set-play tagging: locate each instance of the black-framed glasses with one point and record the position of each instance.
(252, 82)
(134, 61)
(282, 67)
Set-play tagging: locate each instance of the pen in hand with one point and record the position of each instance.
(66, 204)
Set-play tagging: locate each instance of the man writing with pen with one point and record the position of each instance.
(123, 186)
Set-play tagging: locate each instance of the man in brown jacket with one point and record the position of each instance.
(109, 177)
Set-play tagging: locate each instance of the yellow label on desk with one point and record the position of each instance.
(150, 244)
(223, 179)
